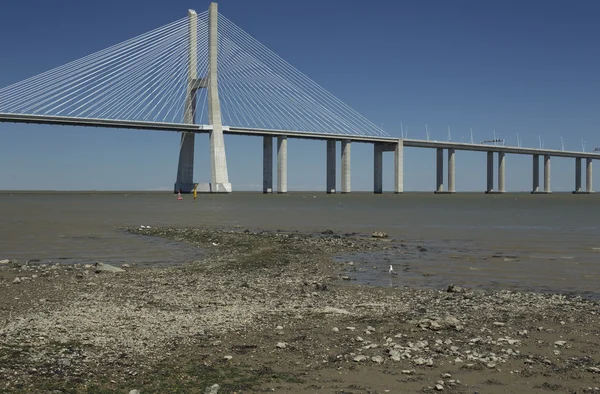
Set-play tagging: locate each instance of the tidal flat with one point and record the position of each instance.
(267, 311)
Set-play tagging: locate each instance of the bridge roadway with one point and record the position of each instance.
(381, 144)
(193, 128)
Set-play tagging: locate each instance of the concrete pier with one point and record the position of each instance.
(184, 182)
(547, 188)
(588, 176)
(536, 174)
(439, 174)
(399, 167)
(577, 175)
(281, 164)
(490, 172)
(451, 170)
(267, 164)
(501, 173)
(346, 174)
(331, 166)
(377, 168)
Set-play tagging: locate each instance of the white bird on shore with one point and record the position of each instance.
(392, 272)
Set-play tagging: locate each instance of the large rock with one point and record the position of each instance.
(455, 289)
(337, 311)
(379, 234)
(437, 324)
(101, 267)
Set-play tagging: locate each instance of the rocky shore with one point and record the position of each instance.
(270, 311)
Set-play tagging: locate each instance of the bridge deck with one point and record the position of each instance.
(178, 127)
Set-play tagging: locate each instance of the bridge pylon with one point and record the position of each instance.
(218, 160)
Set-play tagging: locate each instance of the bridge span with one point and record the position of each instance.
(157, 80)
(380, 145)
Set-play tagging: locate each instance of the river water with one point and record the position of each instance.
(512, 241)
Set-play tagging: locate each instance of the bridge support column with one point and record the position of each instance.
(399, 167)
(267, 164)
(331, 166)
(185, 168)
(439, 173)
(536, 174)
(588, 175)
(219, 176)
(547, 174)
(451, 170)
(346, 184)
(501, 172)
(377, 168)
(490, 172)
(577, 175)
(281, 164)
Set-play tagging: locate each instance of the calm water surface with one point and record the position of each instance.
(514, 241)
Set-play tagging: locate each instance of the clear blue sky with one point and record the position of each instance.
(514, 66)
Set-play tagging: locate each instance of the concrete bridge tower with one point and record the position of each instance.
(218, 161)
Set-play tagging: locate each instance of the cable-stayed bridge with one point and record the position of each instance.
(204, 74)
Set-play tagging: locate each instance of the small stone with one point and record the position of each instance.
(499, 324)
(281, 345)
(594, 369)
(439, 387)
(335, 329)
(359, 339)
(560, 343)
(17, 280)
(377, 359)
(360, 358)
(5, 261)
(64, 362)
(126, 266)
(351, 328)
(214, 389)
(491, 365)
(446, 376)
(134, 392)
(228, 357)
(279, 328)
(408, 371)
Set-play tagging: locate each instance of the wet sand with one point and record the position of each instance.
(279, 312)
